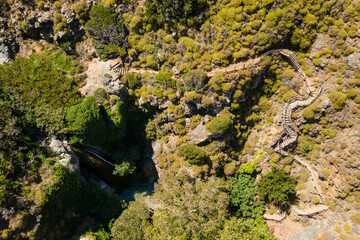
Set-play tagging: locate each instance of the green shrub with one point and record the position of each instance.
(277, 187)
(338, 99)
(182, 12)
(351, 93)
(133, 80)
(106, 28)
(194, 79)
(356, 218)
(243, 192)
(164, 78)
(101, 95)
(3, 6)
(309, 112)
(79, 7)
(357, 99)
(41, 4)
(230, 168)
(220, 125)
(193, 154)
(57, 4)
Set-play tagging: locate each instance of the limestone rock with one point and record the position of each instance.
(156, 148)
(201, 135)
(66, 157)
(353, 60)
(4, 54)
(318, 45)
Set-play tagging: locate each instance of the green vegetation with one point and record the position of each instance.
(3, 6)
(338, 99)
(220, 125)
(108, 31)
(132, 221)
(171, 14)
(207, 190)
(243, 192)
(87, 122)
(356, 218)
(72, 194)
(41, 85)
(309, 112)
(247, 229)
(164, 79)
(193, 154)
(277, 187)
(194, 80)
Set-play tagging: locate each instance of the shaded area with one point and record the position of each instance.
(103, 169)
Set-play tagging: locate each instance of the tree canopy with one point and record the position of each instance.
(277, 187)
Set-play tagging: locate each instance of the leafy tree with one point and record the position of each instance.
(133, 80)
(132, 222)
(277, 187)
(193, 154)
(164, 78)
(85, 120)
(95, 125)
(71, 194)
(245, 229)
(243, 192)
(107, 29)
(220, 125)
(194, 79)
(188, 209)
(173, 13)
(41, 90)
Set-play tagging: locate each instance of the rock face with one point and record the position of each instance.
(156, 148)
(100, 75)
(4, 54)
(39, 25)
(200, 134)
(353, 60)
(66, 157)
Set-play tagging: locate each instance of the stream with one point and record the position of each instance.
(128, 187)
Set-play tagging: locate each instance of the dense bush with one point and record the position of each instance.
(108, 30)
(243, 192)
(193, 154)
(173, 13)
(96, 127)
(338, 99)
(164, 79)
(72, 194)
(42, 84)
(245, 229)
(132, 221)
(194, 79)
(133, 80)
(277, 187)
(220, 125)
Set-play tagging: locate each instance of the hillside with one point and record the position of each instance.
(185, 119)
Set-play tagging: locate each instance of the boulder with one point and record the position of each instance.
(353, 60)
(66, 156)
(200, 134)
(4, 54)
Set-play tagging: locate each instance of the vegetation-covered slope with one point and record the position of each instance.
(171, 94)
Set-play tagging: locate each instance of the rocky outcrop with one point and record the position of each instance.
(200, 134)
(353, 60)
(4, 54)
(66, 156)
(156, 148)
